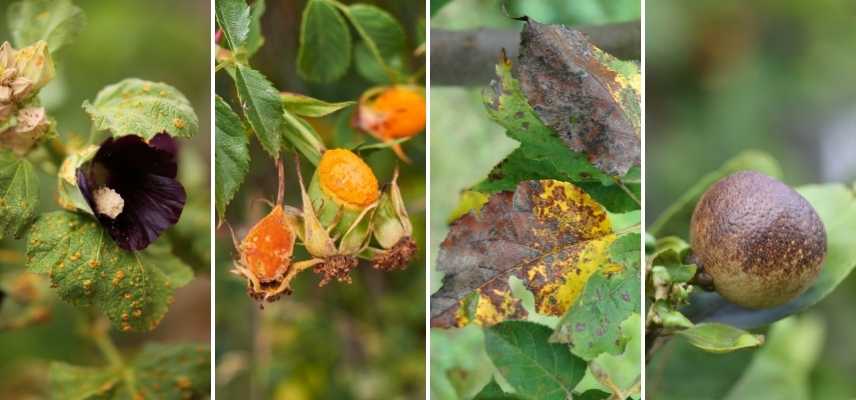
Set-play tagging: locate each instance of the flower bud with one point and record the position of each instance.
(31, 125)
(34, 64)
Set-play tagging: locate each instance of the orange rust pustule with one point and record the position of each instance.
(396, 112)
(347, 178)
(266, 250)
(761, 242)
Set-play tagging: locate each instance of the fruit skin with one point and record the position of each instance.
(393, 112)
(267, 248)
(761, 242)
(341, 189)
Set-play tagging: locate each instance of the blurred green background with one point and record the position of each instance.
(726, 76)
(158, 40)
(364, 340)
(459, 365)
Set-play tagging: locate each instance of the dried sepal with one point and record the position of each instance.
(393, 230)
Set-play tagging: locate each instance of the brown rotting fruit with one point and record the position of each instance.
(761, 242)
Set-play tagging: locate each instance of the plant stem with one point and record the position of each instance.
(101, 336)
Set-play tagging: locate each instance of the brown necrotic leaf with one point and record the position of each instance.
(547, 233)
(591, 99)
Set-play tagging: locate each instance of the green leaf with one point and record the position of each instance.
(469, 200)
(262, 107)
(720, 338)
(592, 326)
(675, 220)
(19, 185)
(303, 137)
(306, 106)
(169, 372)
(436, 5)
(836, 206)
(134, 289)
(233, 16)
(492, 391)
(82, 383)
(542, 370)
(369, 68)
(325, 43)
(784, 366)
(57, 22)
(687, 372)
(380, 31)
(619, 373)
(232, 154)
(255, 38)
(137, 107)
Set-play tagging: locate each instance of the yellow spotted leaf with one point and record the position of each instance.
(134, 289)
(550, 234)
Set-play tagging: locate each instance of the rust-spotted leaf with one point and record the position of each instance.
(134, 289)
(547, 233)
(591, 99)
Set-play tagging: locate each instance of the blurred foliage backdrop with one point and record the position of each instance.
(364, 340)
(776, 76)
(158, 40)
(459, 364)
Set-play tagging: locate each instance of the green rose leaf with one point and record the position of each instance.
(325, 43)
(521, 353)
(137, 107)
(306, 106)
(19, 185)
(233, 17)
(720, 338)
(262, 107)
(492, 391)
(58, 22)
(169, 372)
(134, 289)
(231, 154)
(593, 324)
(255, 39)
(381, 33)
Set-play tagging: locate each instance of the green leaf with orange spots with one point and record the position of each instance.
(169, 372)
(19, 185)
(593, 325)
(549, 234)
(137, 107)
(134, 289)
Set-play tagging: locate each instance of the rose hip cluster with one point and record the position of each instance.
(342, 211)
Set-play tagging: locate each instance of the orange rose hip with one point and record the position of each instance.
(267, 248)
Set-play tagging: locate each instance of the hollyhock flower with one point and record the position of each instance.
(131, 188)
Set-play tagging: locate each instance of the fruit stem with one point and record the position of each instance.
(280, 190)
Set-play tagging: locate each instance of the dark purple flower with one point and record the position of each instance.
(130, 186)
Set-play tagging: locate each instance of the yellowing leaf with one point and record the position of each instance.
(550, 234)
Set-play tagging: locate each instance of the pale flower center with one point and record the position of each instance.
(108, 202)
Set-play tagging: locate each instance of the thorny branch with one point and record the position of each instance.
(466, 58)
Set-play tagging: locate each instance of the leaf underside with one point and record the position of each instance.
(549, 234)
